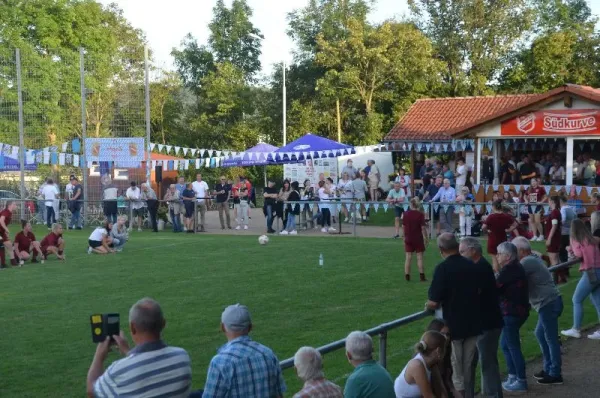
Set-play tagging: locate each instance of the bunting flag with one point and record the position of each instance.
(506, 188)
(152, 145)
(546, 209)
(547, 188)
(475, 188)
(495, 187)
(375, 206)
(76, 145)
(385, 207)
(589, 190)
(426, 207)
(488, 208)
(312, 206)
(517, 188)
(478, 208)
(177, 149)
(339, 207)
(405, 206)
(436, 207)
(578, 189)
(445, 207)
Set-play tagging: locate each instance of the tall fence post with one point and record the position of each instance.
(82, 159)
(21, 132)
(383, 349)
(147, 113)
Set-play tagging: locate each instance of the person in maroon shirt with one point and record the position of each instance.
(5, 219)
(415, 237)
(498, 224)
(26, 245)
(553, 236)
(536, 196)
(54, 243)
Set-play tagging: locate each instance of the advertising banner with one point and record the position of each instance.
(114, 149)
(310, 169)
(553, 123)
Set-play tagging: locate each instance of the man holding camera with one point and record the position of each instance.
(151, 368)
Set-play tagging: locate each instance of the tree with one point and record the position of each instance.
(472, 38)
(164, 106)
(193, 62)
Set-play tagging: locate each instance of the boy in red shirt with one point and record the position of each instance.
(26, 245)
(415, 238)
(5, 219)
(498, 224)
(54, 243)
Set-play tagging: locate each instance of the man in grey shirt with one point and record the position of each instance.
(545, 298)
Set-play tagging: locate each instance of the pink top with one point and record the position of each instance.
(588, 252)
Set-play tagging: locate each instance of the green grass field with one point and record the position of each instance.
(46, 343)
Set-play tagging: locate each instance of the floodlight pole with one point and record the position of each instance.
(83, 159)
(284, 107)
(21, 133)
(147, 99)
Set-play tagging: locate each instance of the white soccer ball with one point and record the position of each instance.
(263, 239)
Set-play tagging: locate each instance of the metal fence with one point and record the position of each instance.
(382, 330)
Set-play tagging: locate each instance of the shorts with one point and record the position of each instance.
(373, 184)
(538, 209)
(554, 246)
(398, 210)
(413, 247)
(4, 237)
(94, 243)
(138, 212)
(189, 209)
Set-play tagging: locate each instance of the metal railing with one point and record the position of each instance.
(383, 329)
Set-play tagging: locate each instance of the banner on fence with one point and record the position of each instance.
(114, 149)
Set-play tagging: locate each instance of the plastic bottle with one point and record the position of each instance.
(321, 260)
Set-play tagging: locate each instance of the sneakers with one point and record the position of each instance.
(594, 336)
(510, 380)
(396, 236)
(294, 232)
(90, 250)
(284, 232)
(571, 333)
(324, 230)
(347, 220)
(238, 228)
(139, 230)
(331, 229)
(407, 277)
(550, 380)
(245, 227)
(533, 239)
(540, 375)
(517, 386)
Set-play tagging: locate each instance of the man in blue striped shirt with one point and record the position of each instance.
(243, 368)
(151, 369)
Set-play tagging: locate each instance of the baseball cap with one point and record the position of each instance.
(236, 318)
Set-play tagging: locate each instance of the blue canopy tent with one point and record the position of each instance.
(310, 147)
(8, 163)
(255, 156)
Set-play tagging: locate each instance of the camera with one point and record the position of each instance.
(104, 325)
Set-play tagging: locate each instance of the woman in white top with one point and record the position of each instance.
(415, 379)
(324, 207)
(99, 241)
(404, 181)
(461, 174)
(346, 190)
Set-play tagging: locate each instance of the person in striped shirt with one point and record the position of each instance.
(309, 367)
(151, 369)
(242, 368)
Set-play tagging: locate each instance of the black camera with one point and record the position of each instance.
(104, 325)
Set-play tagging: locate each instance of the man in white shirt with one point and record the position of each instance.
(134, 196)
(50, 194)
(69, 188)
(461, 174)
(202, 197)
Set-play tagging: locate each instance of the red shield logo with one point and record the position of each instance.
(526, 123)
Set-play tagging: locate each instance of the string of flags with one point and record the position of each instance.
(547, 188)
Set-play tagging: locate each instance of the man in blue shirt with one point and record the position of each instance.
(181, 186)
(242, 368)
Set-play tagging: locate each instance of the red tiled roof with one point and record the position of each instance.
(161, 156)
(439, 119)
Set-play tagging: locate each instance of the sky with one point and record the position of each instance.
(165, 23)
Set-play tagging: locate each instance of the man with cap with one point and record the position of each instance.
(242, 368)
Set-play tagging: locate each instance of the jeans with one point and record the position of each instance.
(546, 333)
(491, 381)
(119, 243)
(152, 211)
(463, 355)
(242, 212)
(223, 207)
(270, 218)
(291, 222)
(510, 341)
(50, 216)
(75, 217)
(585, 288)
(111, 210)
(177, 227)
(325, 217)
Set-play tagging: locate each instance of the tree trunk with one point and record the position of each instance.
(339, 120)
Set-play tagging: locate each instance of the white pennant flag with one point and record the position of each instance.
(475, 188)
(578, 189)
(517, 188)
(152, 145)
(76, 160)
(61, 159)
(154, 164)
(197, 163)
(160, 147)
(207, 162)
(176, 165)
(376, 206)
(219, 153)
(506, 188)
(202, 152)
(169, 147)
(185, 151)
(46, 157)
(589, 190)
(177, 148)
(186, 164)
(64, 148)
(385, 207)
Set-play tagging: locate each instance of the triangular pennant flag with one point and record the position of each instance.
(405, 206)
(581, 145)
(478, 208)
(385, 207)
(495, 187)
(547, 188)
(207, 162)
(567, 188)
(445, 207)
(436, 206)
(546, 209)
(160, 147)
(589, 190)
(592, 145)
(198, 163)
(488, 208)
(219, 153)
(176, 165)
(376, 206)
(152, 145)
(312, 206)
(339, 207)
(177, 148)
(169, 147)
(506, 188)
(578, 189)
(76, 160)
(357, 206)
(517, 188)
(475, 188)
(61, 159)
(53, 158)
(185, 151)
(76, 145)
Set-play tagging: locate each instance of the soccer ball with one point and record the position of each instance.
(263, 239)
